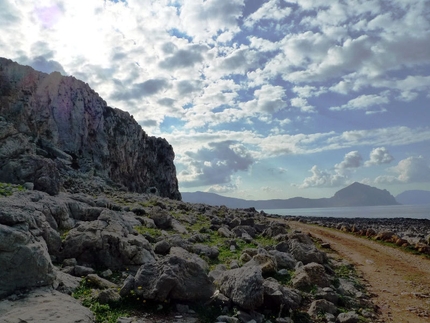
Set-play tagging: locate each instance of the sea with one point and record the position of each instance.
(386, 211)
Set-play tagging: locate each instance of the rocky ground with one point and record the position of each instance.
(126, 257)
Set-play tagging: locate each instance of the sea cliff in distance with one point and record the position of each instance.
(355, 194)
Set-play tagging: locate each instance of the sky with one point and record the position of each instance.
(259, 99)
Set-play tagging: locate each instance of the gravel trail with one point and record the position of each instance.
(399, 281)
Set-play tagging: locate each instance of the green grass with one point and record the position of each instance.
(7, 189)
(154, 232)
(127, 306)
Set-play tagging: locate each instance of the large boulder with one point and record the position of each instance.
(45, 305)
(108, 242)
(277, 295)
(175, 277)
(309, 275)
(244, 286)
(24, 258)
(306, 252)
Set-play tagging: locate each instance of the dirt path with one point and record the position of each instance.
(399, 281)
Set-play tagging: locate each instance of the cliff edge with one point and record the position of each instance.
(58, 133)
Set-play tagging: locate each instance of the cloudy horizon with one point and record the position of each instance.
(259, 99)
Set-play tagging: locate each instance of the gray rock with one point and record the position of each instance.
(107, 296)
(162, 247)
(266, 262)
(127, 286)
(244, 286)
(66, 283)
(321, 306)
(81, 271)
(45, 306)
(161, 217)
(176, 277)
(283, 259)
(227, 319)
(346, 287)
(106, 243)
(216, 273)
(204, 250)
(306, 252)
(277, 295)
(349, 317)
(310, 275)
(100, 283)
(225, 232)
(24, 258)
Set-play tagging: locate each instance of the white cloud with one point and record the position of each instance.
(214, 164)
(351, 160)
(409, 170)
(379, 156)
(322, 178)
(268, 99)
(302, 104)
(204, 19)
(363, 102)
(270, 10)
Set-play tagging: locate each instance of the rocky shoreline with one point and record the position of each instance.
(404, 232)
(128, 257)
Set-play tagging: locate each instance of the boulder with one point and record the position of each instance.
(305, 252)
(384, 235)
(106, 243)
(321, 306)
(225, 232)
(309, 275)
(162, 247)
(349, 317)
(283, 259)
(44, 305)
(266, 262)
(244, 286)
(277, 295)
(175, 277)
(161, 218)
(24, 258)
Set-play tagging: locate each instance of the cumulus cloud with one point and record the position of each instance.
(215, 164)
(204, 19)
(339, 176)
(139, 90)
(379, 156)
(268, 99)
(323, 178)
(42, 64)
(409, 170)
(270, 10)
(351, 160)
(183, 58)
(363, 102)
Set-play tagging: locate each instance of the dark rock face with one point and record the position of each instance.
(52, 125)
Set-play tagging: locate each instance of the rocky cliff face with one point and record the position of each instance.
(55, 130)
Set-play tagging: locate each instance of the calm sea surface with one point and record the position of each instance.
(390, 211)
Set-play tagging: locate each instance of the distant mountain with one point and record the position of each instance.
(414, 197)
(355, 194)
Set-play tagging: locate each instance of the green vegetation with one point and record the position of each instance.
(7, 189)
(103, 313)
(153, 232)
(125, 307)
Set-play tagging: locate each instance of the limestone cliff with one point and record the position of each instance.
(55, 129)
